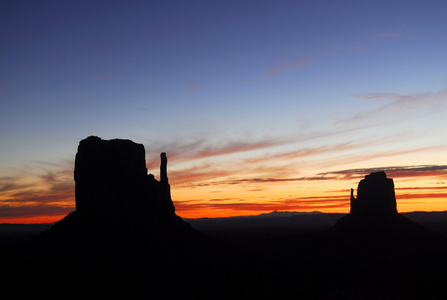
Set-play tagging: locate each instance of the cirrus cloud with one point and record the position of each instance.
(298, 62)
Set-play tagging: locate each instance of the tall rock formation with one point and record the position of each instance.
(124, 239)
(111, 178)
(374, 211)
(375, 196)
(121, 210)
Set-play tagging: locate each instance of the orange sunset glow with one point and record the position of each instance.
(209, 185)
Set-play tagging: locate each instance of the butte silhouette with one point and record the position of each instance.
(122, 212)
(124, 239)
(374, 214)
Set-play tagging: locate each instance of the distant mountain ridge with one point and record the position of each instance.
(416, 216)
(438, 215)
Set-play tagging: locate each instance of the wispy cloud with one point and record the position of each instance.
(273, 180)
(13, 213)
(309, 151)
(384, 96)
(10, 184)
(394, 105)
(265, 166)
(195, 176)
(397, 105)
(424, 196)
(433, 188)
(38, 203)
(44, 191)
(213, 175)
(206, 147)
(439, 171)
(235, 147)
(299, 62)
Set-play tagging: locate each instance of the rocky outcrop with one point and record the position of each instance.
(374, 212)
(124, 240)
(375, 196)
(121, 211)
(111, 178)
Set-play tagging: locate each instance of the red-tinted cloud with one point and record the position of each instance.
(300, 153)
(433, 188)
(439, 171)
(49, 194)
(200, 148)
(422, 196)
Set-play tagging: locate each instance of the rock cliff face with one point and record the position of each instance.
(123, 237)
(375, 196)
(374, 211)
(111, 178)
(121, 211)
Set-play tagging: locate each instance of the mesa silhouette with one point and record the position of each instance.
(374, 214)
(124, 238)
(122, 212)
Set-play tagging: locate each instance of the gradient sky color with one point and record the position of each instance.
(260, 105)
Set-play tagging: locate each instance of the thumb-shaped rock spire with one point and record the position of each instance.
(163, 168)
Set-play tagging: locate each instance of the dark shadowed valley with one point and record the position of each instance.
(125, 241)
(242, 231)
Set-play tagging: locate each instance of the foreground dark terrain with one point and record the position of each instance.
(274, 256)
(125, 241)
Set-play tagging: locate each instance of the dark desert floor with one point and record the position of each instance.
(275, 257)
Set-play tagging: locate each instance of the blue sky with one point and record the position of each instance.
(239, 79)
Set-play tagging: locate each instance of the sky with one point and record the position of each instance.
(259, 105)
